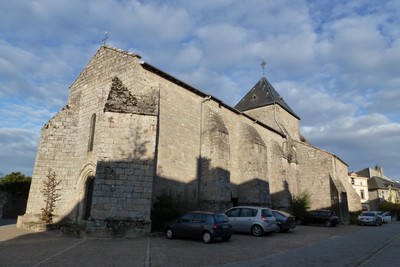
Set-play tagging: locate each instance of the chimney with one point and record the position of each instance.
(379, 170)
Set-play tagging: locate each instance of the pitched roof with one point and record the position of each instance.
(370, 172)
(263, 94)
(380, 183)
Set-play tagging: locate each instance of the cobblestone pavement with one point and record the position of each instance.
(26, 248)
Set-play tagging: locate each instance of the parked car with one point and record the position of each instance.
(386, 217)
(325, 217)
(369, 218)
(251, 219)
(201, 225)
(284, 220)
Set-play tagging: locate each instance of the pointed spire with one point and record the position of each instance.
(262, 94)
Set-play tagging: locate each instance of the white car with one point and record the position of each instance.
(386, 217)
(369, 218)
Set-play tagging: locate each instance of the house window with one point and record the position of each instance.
(91, 133)
(352, 181)
(362, 194)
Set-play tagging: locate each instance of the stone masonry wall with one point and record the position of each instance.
(272, 114)
(64, 140)
(124, 179)
(56, 149)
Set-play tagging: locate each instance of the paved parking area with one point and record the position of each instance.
(25, 248)
(241, 247)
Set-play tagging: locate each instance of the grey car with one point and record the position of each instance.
(201, 225)
(284, 220)
(252, 219)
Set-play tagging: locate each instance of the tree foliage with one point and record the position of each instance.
(301, 204)
(51, 196)
(389, 206)
(16, 184)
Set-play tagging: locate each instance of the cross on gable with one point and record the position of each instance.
(263, 63)
(105, 38)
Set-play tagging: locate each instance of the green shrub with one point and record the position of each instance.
(301, 204)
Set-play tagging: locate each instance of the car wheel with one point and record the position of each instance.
(169, 234)
(328, 223)
(206, 237)
(226, 238)
(256, 230)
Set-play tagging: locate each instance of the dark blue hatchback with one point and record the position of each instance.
(200, 225)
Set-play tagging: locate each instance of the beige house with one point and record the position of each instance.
(360, 185)
(131, 132)
(374, 187)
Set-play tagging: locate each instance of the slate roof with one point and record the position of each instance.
(380, 183)
(263, 94)
(370, 172)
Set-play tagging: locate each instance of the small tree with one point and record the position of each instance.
(301, 204)
(50, 194)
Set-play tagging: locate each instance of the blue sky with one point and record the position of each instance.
(336, 63)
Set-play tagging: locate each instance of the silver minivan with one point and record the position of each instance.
(252, 219)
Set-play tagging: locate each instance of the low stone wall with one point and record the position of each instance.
(118, 228)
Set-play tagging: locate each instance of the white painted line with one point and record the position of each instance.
(147, 260)
(55, 255)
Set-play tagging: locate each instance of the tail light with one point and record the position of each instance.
(214, 226)
(264, 218)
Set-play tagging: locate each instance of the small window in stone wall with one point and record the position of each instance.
(91, 133)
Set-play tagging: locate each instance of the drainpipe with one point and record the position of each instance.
(276, 120)
(200, 160)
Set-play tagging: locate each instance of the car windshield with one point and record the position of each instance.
(368, 214)
(221, 218)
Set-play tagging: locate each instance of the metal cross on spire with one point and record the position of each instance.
(263, 63)
(105, 38)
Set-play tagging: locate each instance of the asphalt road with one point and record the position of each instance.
(345, 245)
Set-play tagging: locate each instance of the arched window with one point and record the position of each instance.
(91, 133)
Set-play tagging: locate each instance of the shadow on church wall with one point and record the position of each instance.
(124, 193)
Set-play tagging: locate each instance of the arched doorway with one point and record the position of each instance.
(85, 187)
(87, 201)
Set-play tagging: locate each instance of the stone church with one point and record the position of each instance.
(131, 132)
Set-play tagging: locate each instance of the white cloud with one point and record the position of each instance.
(18, 150)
